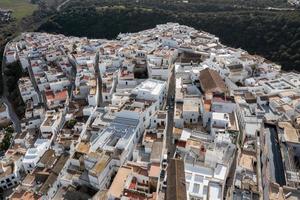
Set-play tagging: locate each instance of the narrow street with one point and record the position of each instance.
(62, 4)
(170, 113)
(231, 175)
(35, 86)
(3, 64)
(99, 80)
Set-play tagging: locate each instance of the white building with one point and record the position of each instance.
(34, 154)
(10, 167)
(54, 55)
(277, 85)
(139, 110)
(223, 105)
(52, 122)
(122, 134)
(220, 120)
(4, 115)
(153, 90)
(101, 171)
(24, 61)
(59, 84)
(11, 56)
(204, 182)
(191, 111)
(27, 90)
(158, 67)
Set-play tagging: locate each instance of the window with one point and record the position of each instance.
(198, 178)
(196, 188)
(188, 176)
(205, 189)
(194, 198)
(187, 185)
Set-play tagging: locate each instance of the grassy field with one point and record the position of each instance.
(21, 8)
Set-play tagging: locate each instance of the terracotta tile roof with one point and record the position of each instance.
(24, 195)
(154, 170)
(117, 186)
(61, 95)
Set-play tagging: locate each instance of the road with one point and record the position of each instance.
(170, 114)
(62, 4)
(170, 117)
(35, 85)
(99, 80)
(275, 157)
(264, 8)
(2, 71)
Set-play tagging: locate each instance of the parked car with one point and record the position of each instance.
(162, 174)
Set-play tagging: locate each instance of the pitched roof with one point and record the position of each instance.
(211, 81)
(117, 186)
(176, 188)
(54, 174)
(48, 158)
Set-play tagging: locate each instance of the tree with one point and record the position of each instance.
(71, 123)
(6, 142)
